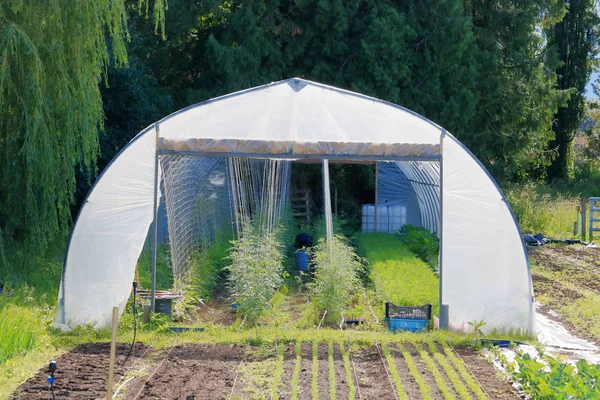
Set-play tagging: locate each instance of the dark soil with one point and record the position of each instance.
(487, 376)
(305, 379)
(408, 380)
(191, 372)
(372, 379)
(342, 388)
(289, 360)
(195, 371)
(323, 381)
(81, 373)
(441, 371)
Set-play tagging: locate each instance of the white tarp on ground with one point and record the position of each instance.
(485, 270)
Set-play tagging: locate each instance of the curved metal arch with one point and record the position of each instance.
(515, 222)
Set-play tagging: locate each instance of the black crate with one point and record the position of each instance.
(407, 312)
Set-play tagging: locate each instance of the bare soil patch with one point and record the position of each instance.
(342, 388)
(284, 391)
(408, 380)
(81, 373)
(305, 379)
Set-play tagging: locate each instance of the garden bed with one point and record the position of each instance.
(286, 371)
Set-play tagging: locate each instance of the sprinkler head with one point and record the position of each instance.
(52, 367)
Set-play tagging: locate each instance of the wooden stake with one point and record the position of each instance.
(113, 348)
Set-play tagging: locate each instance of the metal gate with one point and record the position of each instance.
(594, 216)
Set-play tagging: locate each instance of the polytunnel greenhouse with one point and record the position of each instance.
(217, 163)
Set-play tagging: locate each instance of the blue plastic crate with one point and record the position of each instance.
(411, 325)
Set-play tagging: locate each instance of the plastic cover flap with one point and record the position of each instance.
(109, 236)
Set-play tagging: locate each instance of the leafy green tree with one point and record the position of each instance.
(515, 86)
(576, 41)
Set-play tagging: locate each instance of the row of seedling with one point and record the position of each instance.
(339, 370)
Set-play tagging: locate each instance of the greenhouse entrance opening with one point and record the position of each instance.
(208, 201)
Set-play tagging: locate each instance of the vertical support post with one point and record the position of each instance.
(376, 195)
(327, 201)
(583, 202)
(154, 225)
(441, 231)
(113, 349)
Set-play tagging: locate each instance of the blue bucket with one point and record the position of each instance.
(301, 260)
(411, 325)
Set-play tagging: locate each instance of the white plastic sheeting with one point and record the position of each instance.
(414, 185)
(108, 237)
(298, 117)
(485, 271)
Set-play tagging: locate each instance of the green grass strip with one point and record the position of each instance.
(394, 372)
(464, 373)
(437, 375)
(278, 372)
(348, 368)
(315, 371)
(331, 373)
(460, 388)
(412, 367)
(296, 376)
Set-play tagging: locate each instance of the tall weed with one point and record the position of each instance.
(255, 271)
(337, 269)
(23, 322)
(539, 209)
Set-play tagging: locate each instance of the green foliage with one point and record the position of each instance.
(398, 276)
(206, 265)
(337, 269)
(54, 55)
(391, 364)
(255, 271)
(575, 40)
(21, 328)
(164, 271)
(348, 369)
(422, 243)
(330, 351)
(538, 209)
(556, 380)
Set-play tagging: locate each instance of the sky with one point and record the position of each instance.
(589, 93)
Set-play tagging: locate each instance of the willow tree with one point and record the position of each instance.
(53, 56)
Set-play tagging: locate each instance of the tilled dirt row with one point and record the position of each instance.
(196, 371)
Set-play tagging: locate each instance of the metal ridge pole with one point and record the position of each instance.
(441, 233)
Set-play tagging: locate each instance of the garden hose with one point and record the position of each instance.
(134, 322)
